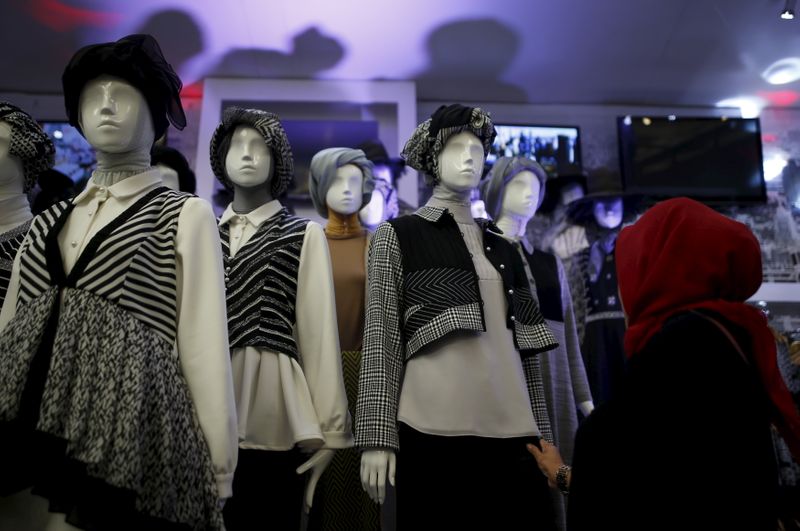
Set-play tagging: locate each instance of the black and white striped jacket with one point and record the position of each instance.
(10, 242)
(261, 284)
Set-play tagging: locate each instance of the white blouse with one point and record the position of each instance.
(282, 402)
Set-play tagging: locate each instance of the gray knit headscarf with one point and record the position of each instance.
(422, 150)
(493, 186)
(323, 171)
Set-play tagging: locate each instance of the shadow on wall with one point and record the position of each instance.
(467, 61)
(28, 38)
(178, 33)
(311, 53)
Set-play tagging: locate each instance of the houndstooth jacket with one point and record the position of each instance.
(422, 286)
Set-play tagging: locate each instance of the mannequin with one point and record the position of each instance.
(513, 190)
(25, 152)
(175, 169)
(290, 397)
(450, 343)
(341, 183)
(551, 229)
(124, 416)
(593, 280)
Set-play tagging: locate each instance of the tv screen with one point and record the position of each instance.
(556, 148)
(716, 160)
(74, 156)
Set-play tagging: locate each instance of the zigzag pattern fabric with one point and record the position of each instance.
(10, 243)
(261, 284)
(437, 290)
(341, 503)
(132, 264)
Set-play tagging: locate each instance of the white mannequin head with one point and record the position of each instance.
(461, 162)
(12, 177)
(115, 117)
(570, 192)
(521, 196)
(608, 212)
(345, 192)
(248, 162)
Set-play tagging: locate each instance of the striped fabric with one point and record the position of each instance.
(130, 261)
(10, 242)
(261, 284)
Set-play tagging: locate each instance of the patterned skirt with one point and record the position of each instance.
(340, 502)
(96, 416)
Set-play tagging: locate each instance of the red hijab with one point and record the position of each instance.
(680, 256)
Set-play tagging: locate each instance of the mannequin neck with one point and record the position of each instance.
(14, 210)
(513, 227)
(342, 226)
(137, 160)
(457, 202)
(245, 200)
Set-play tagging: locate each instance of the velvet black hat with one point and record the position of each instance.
(138, 60)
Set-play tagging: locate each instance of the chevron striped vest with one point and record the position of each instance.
(440, 285)
(261, 284)
(130, 261)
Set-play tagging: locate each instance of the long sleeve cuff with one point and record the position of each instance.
(225, 485)
(336, 440)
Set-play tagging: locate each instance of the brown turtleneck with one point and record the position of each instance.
(347, 242)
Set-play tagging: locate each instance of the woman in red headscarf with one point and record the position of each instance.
(686, 442)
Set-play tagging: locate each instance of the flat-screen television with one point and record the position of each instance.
(556, 148)
(74, 156)
(715, 160)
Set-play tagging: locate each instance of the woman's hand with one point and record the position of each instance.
(548, 459)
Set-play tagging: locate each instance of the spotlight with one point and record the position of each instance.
(58, 134)
(627, 120)
(646, 121)
(788, 10)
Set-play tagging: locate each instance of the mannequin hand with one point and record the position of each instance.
(548, 459)
(317, 464)
(375, 466)
(586, 407)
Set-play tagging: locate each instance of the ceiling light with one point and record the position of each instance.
(646, 121)
(783, 71)
(788, 10)
(749, 106)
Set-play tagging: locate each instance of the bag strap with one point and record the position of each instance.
(726, 332)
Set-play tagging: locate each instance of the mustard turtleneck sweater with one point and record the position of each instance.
(347, 242)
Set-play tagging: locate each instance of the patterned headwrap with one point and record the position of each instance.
(138, 60)
(505, 168)
(269, 126)
(323, 170)
(422, 150)
(28, 143)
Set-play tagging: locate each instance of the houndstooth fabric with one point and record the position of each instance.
(270, 127)
(110, 377)
(28, 143)
(387, 344)
(422, 150)
(532, 366)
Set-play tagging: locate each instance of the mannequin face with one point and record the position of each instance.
(11, 174)
(608, 212)
(521, 196)
(169, 176)
(570, 193)
(461, 162)
(345, 193)
(114, 116)
(249, 160)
